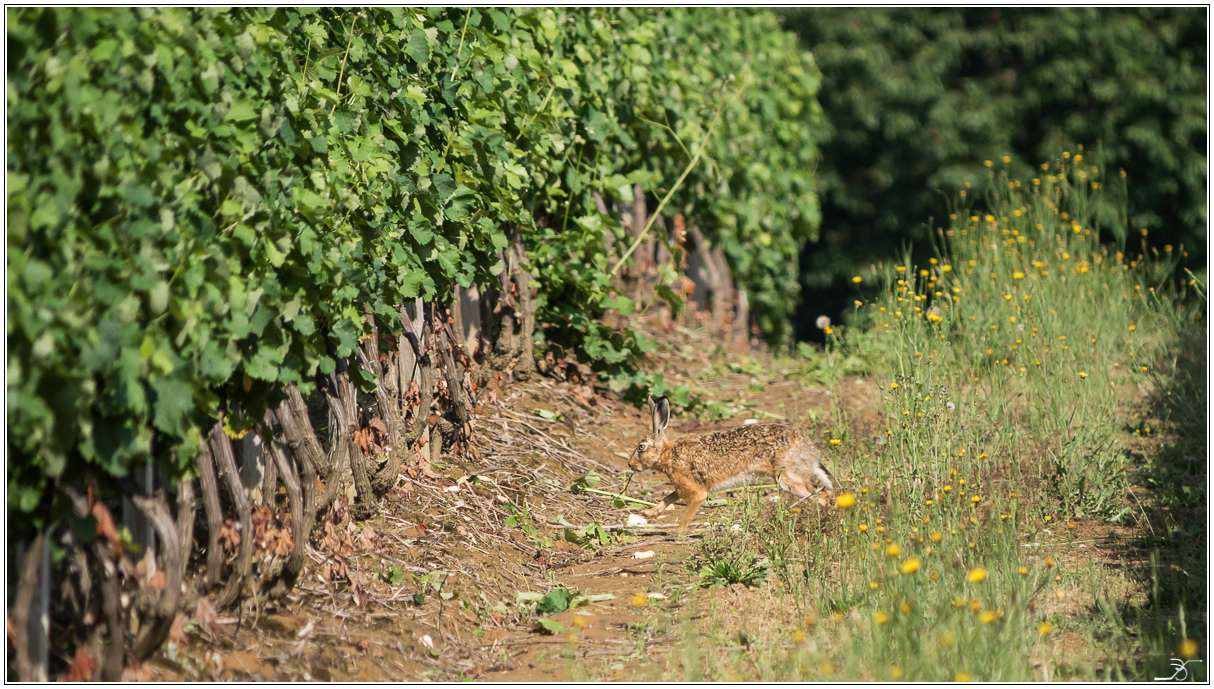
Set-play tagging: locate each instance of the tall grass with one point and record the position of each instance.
(1013, 368)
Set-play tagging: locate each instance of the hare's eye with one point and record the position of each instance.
(643, 446)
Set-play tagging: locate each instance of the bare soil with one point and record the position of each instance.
(454, 613)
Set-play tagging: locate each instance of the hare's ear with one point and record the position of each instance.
(661, 415)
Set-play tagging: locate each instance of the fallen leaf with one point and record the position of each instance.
(105, 527)
(379, 426)
(156, 583)
(367, 538)
(229, 534)
(205, 615)
(177, 631)
(82, 669)
(137, 672)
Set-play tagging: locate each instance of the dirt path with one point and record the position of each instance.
(443, 584)
(429, 589)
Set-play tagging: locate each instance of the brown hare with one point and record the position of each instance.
(700, 464)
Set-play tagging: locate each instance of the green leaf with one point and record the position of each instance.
(140, 195)
(172, 406)
(548, 626)
(576, 537)
(419, 46)
(623, 304)
(420, 229)
(554, 602)
(416, 94)
(675, 301)
(588, 480)
(241, 110)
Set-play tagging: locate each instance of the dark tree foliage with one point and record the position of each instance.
(916, 99)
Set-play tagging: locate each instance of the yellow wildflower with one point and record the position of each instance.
(1188, 649)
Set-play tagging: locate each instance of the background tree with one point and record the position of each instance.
(916, 99)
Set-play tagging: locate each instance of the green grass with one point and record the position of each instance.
(1030, 377)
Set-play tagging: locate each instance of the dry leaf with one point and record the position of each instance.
(367, 538)
(137, 672)
(177, 631)
(283, 543)
(205, 615)
(82, 669)
(229, 534)
(379, 426)
(156, 583)
(105, 527)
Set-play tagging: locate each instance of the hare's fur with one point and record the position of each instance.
(700, 464)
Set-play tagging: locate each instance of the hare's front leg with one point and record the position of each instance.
(662, 506)
(693, 503)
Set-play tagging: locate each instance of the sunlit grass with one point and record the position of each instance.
(1012, 369)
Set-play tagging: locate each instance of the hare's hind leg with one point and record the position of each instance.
(827, 479)
(801, 487)
(801, 469)
(662, 506)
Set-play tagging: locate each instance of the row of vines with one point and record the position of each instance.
(257, 221)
